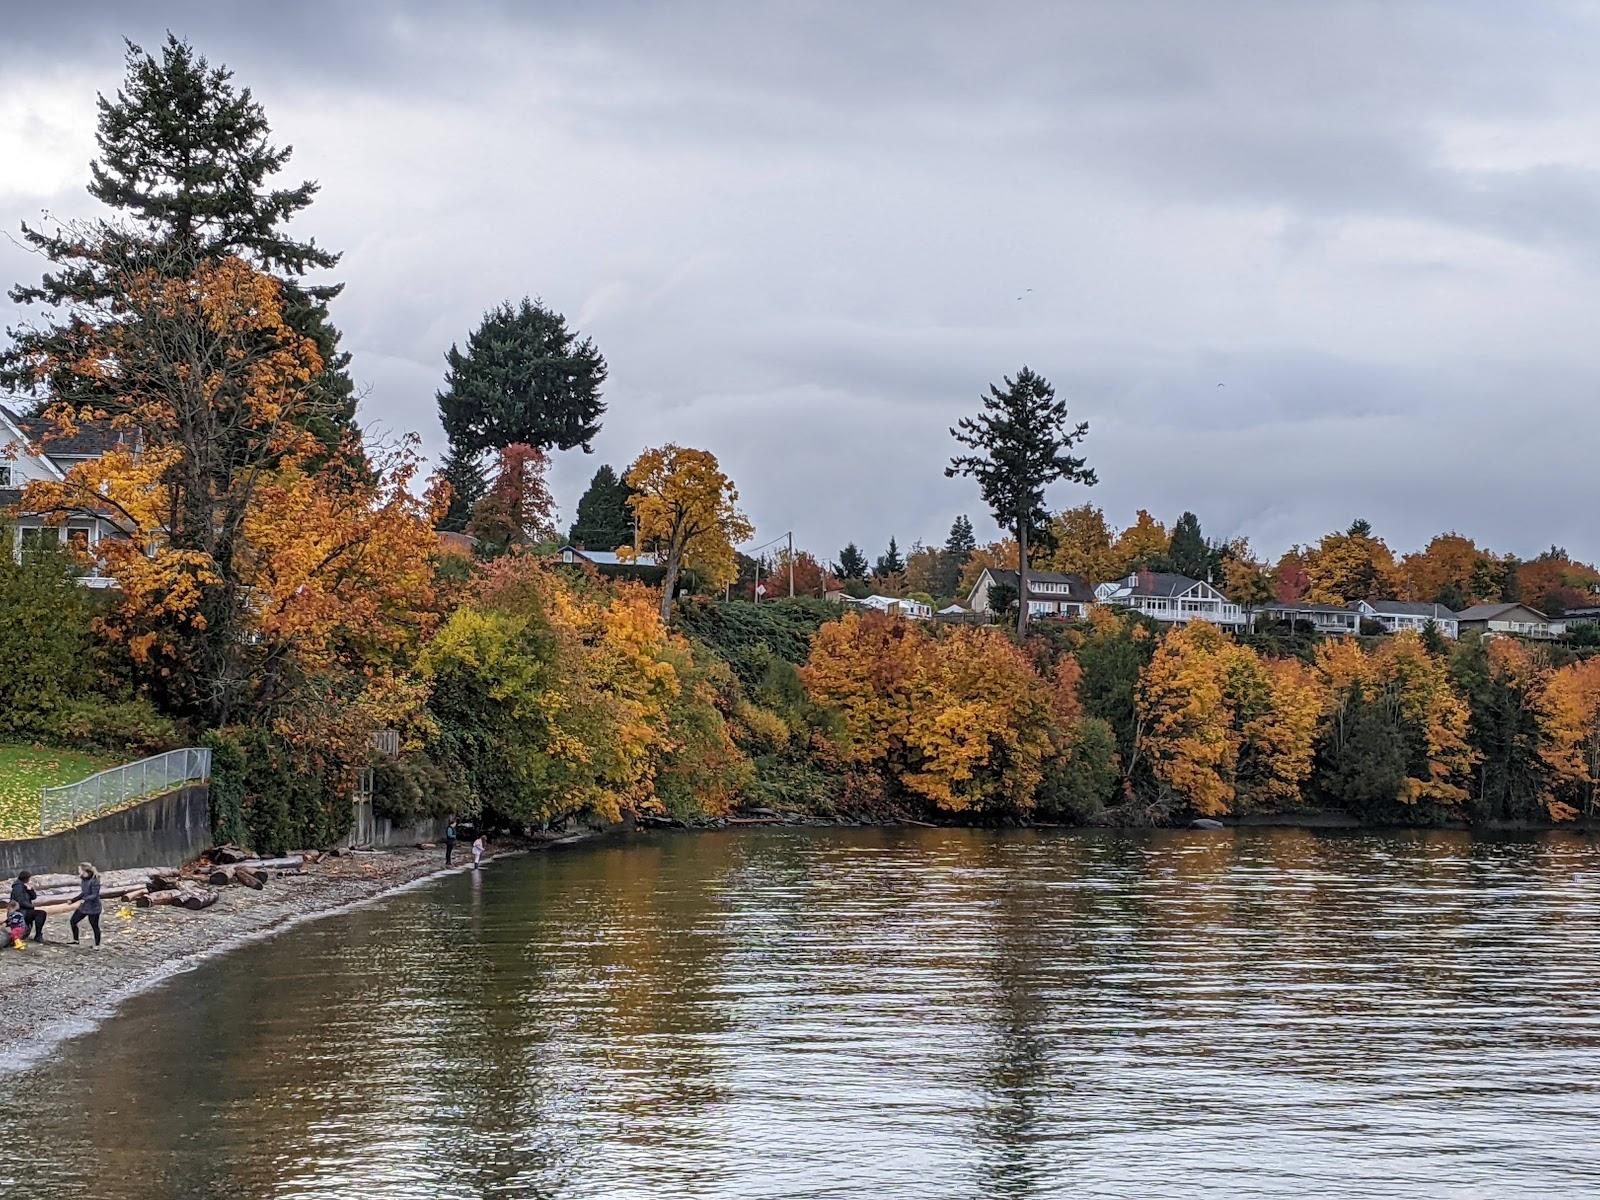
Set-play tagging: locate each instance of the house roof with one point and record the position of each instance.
(1411, 608)
(1493, 612)
(1078, 589)
(92, 438)
(1155, 583)
(610, 558)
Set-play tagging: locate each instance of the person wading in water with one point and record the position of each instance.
(88, 902)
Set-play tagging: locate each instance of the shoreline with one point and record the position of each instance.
(56, 991)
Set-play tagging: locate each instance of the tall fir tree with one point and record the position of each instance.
(185, 156)
(1021, 444)
(524, 377)
(852, 563)
(1188, 552)
(890, 562)
(604, 521)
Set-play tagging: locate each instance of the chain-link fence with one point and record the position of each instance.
(103, 792)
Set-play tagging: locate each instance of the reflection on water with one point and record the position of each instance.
(907, 1013)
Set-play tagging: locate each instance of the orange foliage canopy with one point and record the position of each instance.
(961, 719)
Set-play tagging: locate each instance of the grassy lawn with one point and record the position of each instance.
(26, 769)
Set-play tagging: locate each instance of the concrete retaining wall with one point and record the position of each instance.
(387, 833)
(163, 832)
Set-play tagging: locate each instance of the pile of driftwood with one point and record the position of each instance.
(193, 887)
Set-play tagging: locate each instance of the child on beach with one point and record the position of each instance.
(16, 926)
(477, 852)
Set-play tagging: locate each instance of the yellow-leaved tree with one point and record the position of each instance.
(961, 720)
(1223, 729)
(688, 509)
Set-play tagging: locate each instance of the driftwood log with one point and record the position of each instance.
(241, 875)
(230, 854)
(193, 896)
(273, 864)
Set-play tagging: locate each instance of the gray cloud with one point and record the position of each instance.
(799, 231)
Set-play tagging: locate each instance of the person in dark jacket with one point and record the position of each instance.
(88, 901)
(449, 840)
(24, 896)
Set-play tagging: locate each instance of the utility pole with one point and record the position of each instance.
(791, 564)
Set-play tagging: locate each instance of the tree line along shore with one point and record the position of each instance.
(207, 548)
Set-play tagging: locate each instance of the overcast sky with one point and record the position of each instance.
(799, 233)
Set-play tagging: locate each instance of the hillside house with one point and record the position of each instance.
(1395, 615)
(914, 610)
(1515, 620)
(1335, 620)
(34, 449)
(1050, 593)
(1175, 599)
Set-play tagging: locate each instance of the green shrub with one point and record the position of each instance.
(407, 789)
(131, 727)
(279, 796)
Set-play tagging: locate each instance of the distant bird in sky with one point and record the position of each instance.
(1025, 291)
(1222, 385)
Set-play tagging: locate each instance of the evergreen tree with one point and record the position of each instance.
(524, 377)
(890, 562)
(604, 520)
(1022, 442)
(958, 548)
(961, 542)
(468, 484)
(185, 155)
(1187, 551)
(852, 563)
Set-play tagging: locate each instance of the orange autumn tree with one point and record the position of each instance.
(1139, 545)
(1571, 711)
(248, 562)
(688, 510)
(1343, 568)
(1223, 730)
(961, 720)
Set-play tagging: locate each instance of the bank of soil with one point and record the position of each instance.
(55, 989)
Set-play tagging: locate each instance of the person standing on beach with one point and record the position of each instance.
(449, 840)
(477, 852)
(88, 902)
(24, 897)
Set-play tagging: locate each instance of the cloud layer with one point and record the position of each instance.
(800, 234)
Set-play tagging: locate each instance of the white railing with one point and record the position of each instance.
(103, 792)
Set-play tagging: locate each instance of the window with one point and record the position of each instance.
(78, 541)
(7, 473)
(32, 540)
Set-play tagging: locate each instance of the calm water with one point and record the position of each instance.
(921, 1013)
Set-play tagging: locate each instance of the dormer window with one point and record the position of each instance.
(7, 474)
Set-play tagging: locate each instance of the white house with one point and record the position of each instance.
(1050, 593)
(32, 449)
(1173, 598)
(1331, 619)
(1395, 615)
(915, 610)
